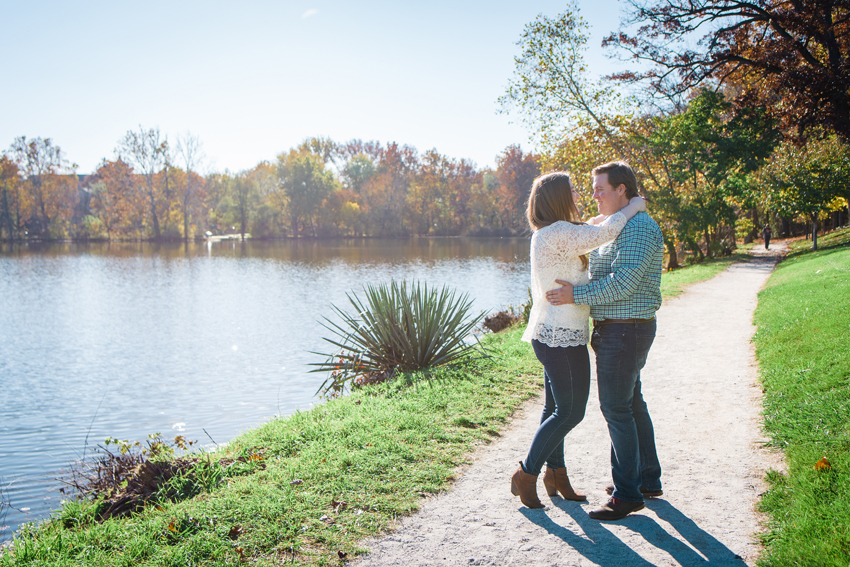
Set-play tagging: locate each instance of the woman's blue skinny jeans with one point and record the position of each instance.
(567, 384)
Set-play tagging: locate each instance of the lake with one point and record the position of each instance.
(205, 340)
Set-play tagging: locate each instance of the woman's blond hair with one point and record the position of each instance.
(550, 201)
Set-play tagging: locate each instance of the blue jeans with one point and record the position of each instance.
(621, 350)
(566, 372)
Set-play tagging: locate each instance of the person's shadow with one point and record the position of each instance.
(604, 548)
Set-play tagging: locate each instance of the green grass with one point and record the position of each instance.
(378, 451)
(802, 344)
(835, 238)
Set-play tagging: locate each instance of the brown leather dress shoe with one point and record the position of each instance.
(556, 480)
(524, 485)
(648, 493)
(615, 509)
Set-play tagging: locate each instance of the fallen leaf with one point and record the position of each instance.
(235, 532)
(296, 482)
(327, 519)
(342, 554)
(338, 505)
(823, 465)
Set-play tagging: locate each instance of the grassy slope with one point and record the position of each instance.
(802, 344)
(379, 450)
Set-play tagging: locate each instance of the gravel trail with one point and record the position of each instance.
(702, 389)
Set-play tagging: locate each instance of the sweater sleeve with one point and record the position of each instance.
(577, 239)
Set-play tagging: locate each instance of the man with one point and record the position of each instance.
(624, 293)
(766, 234)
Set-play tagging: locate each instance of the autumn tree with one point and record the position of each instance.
(147, 152)
(305, 184)
(115, 199)
(10, 198)
(191, 154)
(515, 172)
(791, 58)
(48, 190)
(356, 174)
(386, 191)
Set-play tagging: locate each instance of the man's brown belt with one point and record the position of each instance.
(631, 321)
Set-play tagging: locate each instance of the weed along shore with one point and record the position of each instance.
(315, 487)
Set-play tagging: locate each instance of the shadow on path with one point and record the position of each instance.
(605, 548)
(599, 545)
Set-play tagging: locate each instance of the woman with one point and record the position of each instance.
(559, 334)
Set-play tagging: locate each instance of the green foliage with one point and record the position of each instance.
(743, 228)
(156, 448)
(552, 86)
(803, 320)
(398, 327)
(305, 183)
(707, 154)
(808, 180)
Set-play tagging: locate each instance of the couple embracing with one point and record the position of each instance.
(621, 293)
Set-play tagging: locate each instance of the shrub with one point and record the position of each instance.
(397, 327)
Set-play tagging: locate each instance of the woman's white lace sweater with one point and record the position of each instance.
(555, 251)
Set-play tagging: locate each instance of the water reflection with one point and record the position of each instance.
(128, 339)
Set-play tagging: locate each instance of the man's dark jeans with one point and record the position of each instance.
(567, 385)
(621, 350)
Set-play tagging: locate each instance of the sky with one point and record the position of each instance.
(253, 79)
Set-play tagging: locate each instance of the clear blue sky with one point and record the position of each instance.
(254, 78)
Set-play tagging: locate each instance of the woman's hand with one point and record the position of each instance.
(638, 202)
(597, 220)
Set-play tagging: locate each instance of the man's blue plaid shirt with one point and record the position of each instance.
(625, 275)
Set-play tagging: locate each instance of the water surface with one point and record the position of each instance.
(201, 340)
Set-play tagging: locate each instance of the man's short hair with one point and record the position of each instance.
(619, 173)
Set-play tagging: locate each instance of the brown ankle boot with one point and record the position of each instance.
(524, 485)
(556, 480)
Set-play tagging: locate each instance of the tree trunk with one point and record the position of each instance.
(694, 248)
(672, 258)
(814, 233)
(155, 219)
(186, 218)
(754, 234)
(7, 216)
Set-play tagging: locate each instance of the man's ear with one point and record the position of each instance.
(621, 189)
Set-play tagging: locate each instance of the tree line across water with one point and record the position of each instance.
(153, 189)
(712, 178)
(746, 128)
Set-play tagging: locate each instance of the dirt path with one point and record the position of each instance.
(701, 386)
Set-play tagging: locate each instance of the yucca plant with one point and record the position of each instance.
(397, 327)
